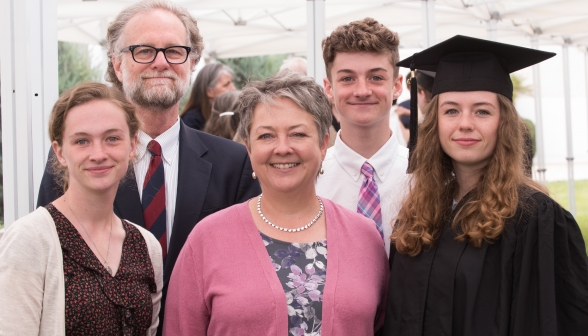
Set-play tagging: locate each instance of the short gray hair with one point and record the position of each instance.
(116, 30)
(302, 90)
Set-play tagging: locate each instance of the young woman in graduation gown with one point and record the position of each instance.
(481, 249)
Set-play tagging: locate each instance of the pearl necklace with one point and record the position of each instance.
(321, 210)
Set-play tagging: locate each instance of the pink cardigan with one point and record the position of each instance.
(224, 283)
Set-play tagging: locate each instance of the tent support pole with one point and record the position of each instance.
(315, 21)
(428, 19)
(491, 30)
(570, 151)
(538, 117)
(29, 89)
(586, 74)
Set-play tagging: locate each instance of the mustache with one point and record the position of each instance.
(155, 74)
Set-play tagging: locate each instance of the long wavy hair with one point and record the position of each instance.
(433, 186)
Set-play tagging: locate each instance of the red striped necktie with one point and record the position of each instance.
(153, 197)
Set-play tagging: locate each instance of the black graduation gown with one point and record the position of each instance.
(532, 281)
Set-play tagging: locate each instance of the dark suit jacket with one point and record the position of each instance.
(213, 173)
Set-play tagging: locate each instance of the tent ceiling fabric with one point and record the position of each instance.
(261, 27)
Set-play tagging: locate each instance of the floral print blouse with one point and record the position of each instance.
(302, 270)
(97, 303)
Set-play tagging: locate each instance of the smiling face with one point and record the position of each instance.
(96, 147)
(362, 87)
(224, 84)
(468, 127)
(285, 149)
(157, 85)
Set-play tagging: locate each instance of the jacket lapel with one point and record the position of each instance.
(127, 203)
(193, 176)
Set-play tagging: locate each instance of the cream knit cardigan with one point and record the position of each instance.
(32, 288)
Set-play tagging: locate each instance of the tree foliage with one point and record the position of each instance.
(74, 66)
(254, 68)
(520, 89)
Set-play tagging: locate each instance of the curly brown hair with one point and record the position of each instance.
(80, 95)
(365, 35)
(433, 186)
(116, 30)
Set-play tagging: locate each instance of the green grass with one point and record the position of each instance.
(559, 192)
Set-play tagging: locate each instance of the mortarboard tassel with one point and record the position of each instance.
(414, 116)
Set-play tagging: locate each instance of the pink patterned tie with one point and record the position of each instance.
(369, 198)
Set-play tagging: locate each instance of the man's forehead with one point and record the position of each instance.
(155, 26)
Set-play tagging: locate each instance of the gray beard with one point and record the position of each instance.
(159, 97)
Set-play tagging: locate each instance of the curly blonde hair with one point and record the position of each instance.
(433, 186)
(365, 35)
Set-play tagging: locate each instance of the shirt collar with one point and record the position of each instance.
(168, 140)
(382, 161)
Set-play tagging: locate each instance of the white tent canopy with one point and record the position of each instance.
(236, 29)
(263, 27)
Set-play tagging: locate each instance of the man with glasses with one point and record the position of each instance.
(180, 175)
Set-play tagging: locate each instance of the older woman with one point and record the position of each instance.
(261, 267)
(480, 248)
(211, 81)
(73, 267)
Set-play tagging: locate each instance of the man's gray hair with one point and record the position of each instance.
(116, 31)
(302, 90)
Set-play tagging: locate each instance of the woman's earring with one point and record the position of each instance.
(322, 171)
(253, 176)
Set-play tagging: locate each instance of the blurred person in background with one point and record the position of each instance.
(212, 80)
(425, 80)
(298, 65)
(224, 119)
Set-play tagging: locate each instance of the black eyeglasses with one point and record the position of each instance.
(145, 54)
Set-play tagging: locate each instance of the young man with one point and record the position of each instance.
(365, 170)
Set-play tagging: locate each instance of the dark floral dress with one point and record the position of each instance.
(302, 270)
(97, 303)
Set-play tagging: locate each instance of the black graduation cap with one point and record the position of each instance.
(464, 63)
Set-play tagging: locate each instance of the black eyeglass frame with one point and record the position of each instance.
(131, 48)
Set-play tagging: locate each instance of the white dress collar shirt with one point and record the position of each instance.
(342, 178)
(170, 144)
